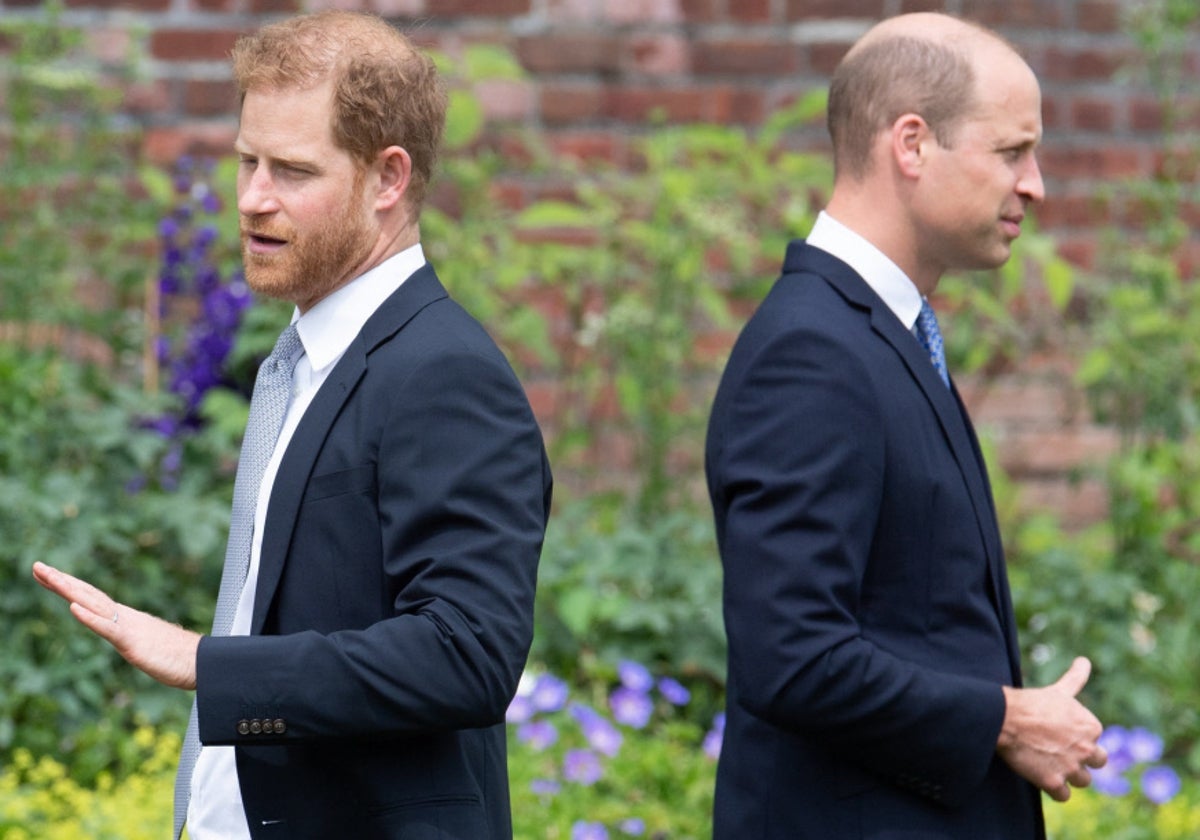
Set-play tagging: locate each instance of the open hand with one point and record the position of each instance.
(165, 651)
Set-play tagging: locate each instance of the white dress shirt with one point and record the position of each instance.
(215, 810)
(885, 277)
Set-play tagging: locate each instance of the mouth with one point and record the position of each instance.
(257, 242)
(1011, 225)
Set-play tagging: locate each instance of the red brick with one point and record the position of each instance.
(477, 8)
(277, 6)
(751, 11)
(1080, 65)
(505, 99)
(730, 105)
(165, 145)
(909, 6)
(149, 97)
(701, 11)
(823, 58)
(1078, 250)
(1009, 13)
(1062, 161)
(1078, 504)
(1093, 114)
(193, 44)
(1058, 451)
(126, 5)
(589, 146)
(821, 9)
(204, 98)
(564, 104)
(1077, 210)
(745, 57)
(1100, 16)
(641, 104)
(640, 11)
(659, 55)
(1012, 402)
(569, 53)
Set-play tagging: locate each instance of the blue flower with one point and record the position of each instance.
(673, 692)
(633, 826)
(582, 767)
(519, 710)
(1160, 784)
(539, 734)
(601, 735)
(1115, 741)
(715, 737)
(634, 676)
(588, 831)
(545, 787)
(630, 707)
(1110, 781)
(1143, 746)
(549, 693)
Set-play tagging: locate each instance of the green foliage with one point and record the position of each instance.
(609, 288)
(610, 588)
(73, 224)
(1089, 815)
(81, 489)
(39, 799)
(657, 774)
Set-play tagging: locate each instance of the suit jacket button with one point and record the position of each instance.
(243, 727)
(256, 727)
(280, 726)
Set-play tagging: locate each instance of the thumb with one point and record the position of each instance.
(1076, 676)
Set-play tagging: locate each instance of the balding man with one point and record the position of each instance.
(874, 671)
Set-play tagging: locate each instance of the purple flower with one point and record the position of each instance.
(634, 676)
(519, 710)
(1115, 741)
(582, 766)
(630, 707)
(1160, 784)
(633, 826)
(539, 734)
(1144, 746)
(549, 693)
(715, 737)
(588, 831)
(673, 692)
(545, 787)
(1110, 781)
(600, 734)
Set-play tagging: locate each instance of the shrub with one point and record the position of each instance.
(616, 758)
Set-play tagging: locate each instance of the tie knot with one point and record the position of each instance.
(286, 345)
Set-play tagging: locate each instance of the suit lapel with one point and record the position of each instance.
(296, 467)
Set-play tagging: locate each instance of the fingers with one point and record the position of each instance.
(1076, 676)
(1098, 758)
(92, 607)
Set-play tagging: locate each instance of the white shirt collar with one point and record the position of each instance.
(327, 329)
(885, 277)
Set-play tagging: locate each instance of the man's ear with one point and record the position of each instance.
(911, 137)
(395, 173)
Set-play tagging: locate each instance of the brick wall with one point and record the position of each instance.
(601, 70)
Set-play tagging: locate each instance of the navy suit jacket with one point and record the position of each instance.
(394, 609)
(866, 601)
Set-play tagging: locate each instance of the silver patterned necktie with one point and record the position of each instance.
(268, 407)
(931, 339)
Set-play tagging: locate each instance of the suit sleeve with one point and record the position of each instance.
(799, 468)
(463, 497)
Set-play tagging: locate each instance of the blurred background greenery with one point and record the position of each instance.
(130, 344)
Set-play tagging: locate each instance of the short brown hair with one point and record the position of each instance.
(873, 86)
(386, 91)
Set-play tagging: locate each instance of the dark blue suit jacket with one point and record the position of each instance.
(394, 609)
(866, 601)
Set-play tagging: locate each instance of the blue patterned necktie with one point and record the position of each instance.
(268, 407)
(931, 339)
